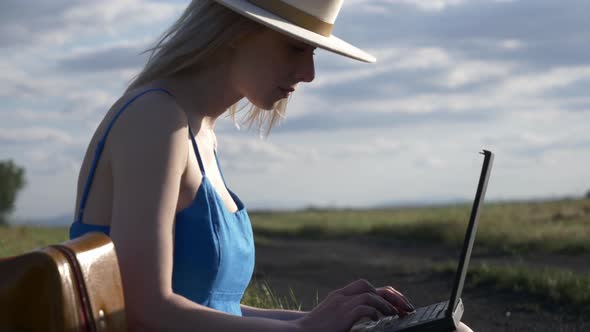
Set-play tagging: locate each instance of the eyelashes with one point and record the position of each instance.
(299, 50)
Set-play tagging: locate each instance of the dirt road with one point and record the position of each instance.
(312, 268)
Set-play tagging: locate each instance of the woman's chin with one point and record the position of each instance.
(267, 105)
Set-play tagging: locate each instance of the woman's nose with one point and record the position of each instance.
(306, 69)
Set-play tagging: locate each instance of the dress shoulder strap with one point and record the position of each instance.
(196, 149)
(100, 146)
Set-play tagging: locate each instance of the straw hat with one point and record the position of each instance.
(310, 21)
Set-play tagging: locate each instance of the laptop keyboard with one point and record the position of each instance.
(422, 314)
(394, 323)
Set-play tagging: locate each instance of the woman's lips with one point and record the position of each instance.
(286, 92)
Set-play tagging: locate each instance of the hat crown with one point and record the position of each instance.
(324, 10)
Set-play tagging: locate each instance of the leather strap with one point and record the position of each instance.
(86, 310)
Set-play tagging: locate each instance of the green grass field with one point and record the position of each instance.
(544, 227)
(556, 226)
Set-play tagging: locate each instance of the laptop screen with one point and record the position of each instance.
(471, 230)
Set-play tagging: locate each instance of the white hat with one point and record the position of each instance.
(310, 21)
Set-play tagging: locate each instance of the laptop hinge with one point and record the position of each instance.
(457, 314)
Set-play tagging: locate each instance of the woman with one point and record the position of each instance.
(151, 180)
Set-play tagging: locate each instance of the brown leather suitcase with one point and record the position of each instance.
(74, 286)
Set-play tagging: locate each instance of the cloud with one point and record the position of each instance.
(412, 87)
(430, 5)
(390, 60)
(429, 162)
(539, 83)
(44, 162)
(373, 6)
(471, 72)
(540, 34)
(380, 145)
(34, 115)
(121, 56)
(412, 73)
(84, 102)
(34, 135)
(365, 117)
(57, 22)
(43, 98)
(253, 154)
(21, 84)
(535, 145)
(511, 44)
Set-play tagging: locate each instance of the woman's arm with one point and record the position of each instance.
(279, 314)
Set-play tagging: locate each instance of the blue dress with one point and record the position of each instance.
(213, 247)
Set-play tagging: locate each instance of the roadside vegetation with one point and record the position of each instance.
(548, 286)
(260, 294)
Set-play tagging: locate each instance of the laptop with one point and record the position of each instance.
(442, 316)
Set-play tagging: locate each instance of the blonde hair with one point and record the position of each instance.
(204, 27)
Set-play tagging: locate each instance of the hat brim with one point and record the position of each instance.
(331, 43)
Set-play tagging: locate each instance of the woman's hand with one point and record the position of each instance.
(344, 307)
(397, 299)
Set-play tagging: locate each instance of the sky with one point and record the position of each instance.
(452, 77)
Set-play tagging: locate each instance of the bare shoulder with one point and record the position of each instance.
(149, 117)
(151, 125)
(148, 145)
